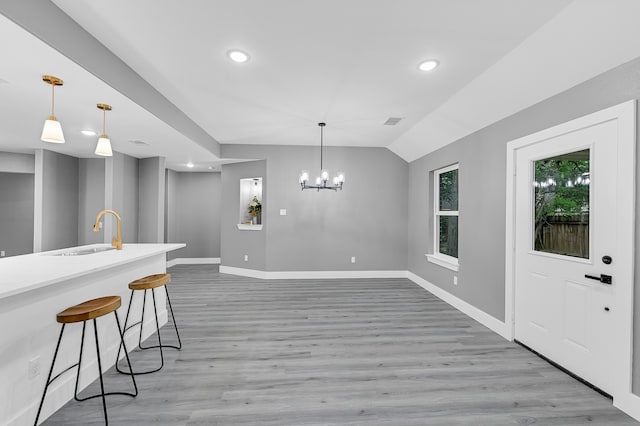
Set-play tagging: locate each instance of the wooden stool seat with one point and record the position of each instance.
(150, 281)
(90, 309)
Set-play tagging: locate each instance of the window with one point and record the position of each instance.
(445, 227)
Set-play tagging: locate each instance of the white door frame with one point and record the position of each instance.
(625, 115)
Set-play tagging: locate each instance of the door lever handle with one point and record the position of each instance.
(604, 279)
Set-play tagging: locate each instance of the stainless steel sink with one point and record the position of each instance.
(83, 252)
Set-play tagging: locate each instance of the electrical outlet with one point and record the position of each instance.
(246, 257)
(353, 259)
(2, 253)
(455, 280)
(283, 212)
(34, 367)
(100, 225)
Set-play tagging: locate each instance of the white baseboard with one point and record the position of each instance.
(251, 273)
(629, 403)
(193, 261)
(482, 317)
(310, 275)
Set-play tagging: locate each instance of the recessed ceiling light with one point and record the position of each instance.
(190, 165)
(428, 65)
(89, 133)
(238, 56)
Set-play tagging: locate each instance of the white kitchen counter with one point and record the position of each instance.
(34, 288)
(28, 272)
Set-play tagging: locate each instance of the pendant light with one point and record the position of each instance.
(322, 181)
(103, 147)
(52, 130)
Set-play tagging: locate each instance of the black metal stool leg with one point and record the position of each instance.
(79, 364)
(175, 324)
(126, 354)
(104, 400)
(123, 332)
(155, 308)
(102, 394)
(46, 386)
(144, 304)
(160, 345)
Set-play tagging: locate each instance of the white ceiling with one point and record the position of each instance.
(351, 63)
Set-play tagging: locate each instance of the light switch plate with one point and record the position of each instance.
(283, 212)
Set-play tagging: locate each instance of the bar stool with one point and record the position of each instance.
(89, 310)
(150, 282)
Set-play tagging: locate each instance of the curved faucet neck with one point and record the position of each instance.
(115, 242)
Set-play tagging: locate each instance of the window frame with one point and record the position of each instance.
(437, 257)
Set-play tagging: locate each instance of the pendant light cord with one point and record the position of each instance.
(104, 121)
(53, 94)
(321, 146)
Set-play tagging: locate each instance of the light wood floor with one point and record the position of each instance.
(338, 352)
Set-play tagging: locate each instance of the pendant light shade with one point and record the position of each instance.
(103, 147)
(52, 130)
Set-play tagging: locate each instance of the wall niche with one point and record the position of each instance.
(250, 209)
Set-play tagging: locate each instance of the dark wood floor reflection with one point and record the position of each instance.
(338, 352)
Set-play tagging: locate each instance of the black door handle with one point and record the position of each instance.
(604, 279)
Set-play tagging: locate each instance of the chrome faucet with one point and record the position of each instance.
(115, 242)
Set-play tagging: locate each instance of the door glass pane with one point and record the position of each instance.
(448, 190)
(561, 203)
(449, 235)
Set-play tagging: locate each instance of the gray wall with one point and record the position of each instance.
(170, 218)
(91, 193)
(151, 175)
(125, 198)
(193, 213)
(323, 230)
(16, 213)
(482, 193)
(17, 163)
(59, 200)
(234, 242)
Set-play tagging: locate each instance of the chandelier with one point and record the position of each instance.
(322, 181)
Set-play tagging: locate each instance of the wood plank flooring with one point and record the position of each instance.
(337, 352)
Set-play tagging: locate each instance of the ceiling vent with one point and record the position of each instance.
(3, 81)
(138, 142)
(392, 121)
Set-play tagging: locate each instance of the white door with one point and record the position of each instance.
(566, 231)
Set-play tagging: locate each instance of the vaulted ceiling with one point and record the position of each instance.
(353, 64)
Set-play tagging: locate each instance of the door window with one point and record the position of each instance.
(561, 204)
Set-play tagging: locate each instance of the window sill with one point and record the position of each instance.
(248, 227)
(445, 263)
